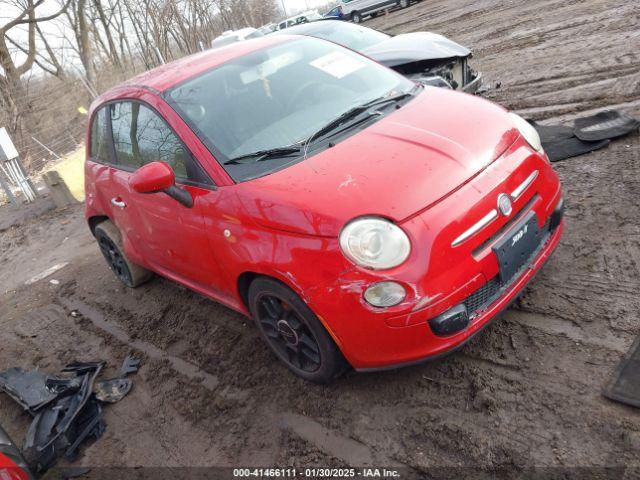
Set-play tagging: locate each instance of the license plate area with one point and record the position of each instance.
(517, 246)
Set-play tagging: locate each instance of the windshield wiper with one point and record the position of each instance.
(262, 155)
(391, 98)
(342, 119)
(358, 110)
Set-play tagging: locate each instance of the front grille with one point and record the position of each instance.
(488, 293)
(482, 297)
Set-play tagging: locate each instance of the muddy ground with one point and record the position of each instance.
(525, 393)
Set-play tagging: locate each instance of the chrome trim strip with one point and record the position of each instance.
(524, 185)
(483, 222)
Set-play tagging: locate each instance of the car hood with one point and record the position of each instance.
(415, 47)
(404, 163)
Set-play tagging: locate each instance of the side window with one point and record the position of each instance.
(99, 147)
(140, 136)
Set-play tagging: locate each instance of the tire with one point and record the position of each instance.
(293, 332)
(374, 14)
(356, 17)
(110, 243)
(404, 3)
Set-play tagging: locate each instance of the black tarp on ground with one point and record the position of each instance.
(571, 147)
(588, 134)
(625, 386)
(608, 124)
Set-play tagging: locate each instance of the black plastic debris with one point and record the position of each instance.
(130, 365)
(587, 135)
(115, 389)
(552, 133)
(571, 147)
(605, 125)
(72, 417)
(27, 388)
(625, 386)
(66, 409)
(112, 391)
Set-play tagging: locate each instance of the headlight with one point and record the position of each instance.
(374, 242)
(527, 131)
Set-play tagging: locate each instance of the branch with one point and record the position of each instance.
(29, 12)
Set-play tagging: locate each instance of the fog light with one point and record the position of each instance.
(385, 294)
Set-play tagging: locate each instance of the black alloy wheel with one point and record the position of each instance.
(114, 259)
(293, 332)
(110, 243)
(288, 334)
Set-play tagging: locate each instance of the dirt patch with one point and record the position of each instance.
(525, 393)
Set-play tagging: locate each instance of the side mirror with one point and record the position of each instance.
(157, 177)
(152, 177)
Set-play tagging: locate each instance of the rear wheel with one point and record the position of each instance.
(110, 243)
(293, 332)
(356, 17)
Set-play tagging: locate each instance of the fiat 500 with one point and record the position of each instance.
(361, 219)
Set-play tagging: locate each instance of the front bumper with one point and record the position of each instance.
(486, 310)
(385, 347)
(382, 339)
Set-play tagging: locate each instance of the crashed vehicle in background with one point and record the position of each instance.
(424, 57)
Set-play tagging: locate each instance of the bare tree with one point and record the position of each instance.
(12, 92)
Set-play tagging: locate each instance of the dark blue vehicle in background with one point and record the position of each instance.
(335, 13)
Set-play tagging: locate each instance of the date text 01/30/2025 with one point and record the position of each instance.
(336, 473)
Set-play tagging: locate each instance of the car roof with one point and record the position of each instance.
(165, 76)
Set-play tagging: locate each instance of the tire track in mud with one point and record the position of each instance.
(181, 366)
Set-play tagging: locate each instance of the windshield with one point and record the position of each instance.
(352, 36)
(277, 97)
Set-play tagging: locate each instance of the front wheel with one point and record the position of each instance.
(110, 243)
(293, 332)
(356, 17)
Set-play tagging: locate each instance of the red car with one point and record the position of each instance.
(359, 218)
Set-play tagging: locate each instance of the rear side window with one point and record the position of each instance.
(99, 147)
(140, 136)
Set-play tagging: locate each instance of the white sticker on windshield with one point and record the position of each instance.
(338, 64)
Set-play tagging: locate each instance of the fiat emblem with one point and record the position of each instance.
(504, 204)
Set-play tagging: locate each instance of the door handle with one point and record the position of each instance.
(118, 203)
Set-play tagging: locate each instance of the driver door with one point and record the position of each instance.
(171, 237)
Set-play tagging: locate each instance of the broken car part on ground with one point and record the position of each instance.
(588, 134)
(66, 409)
